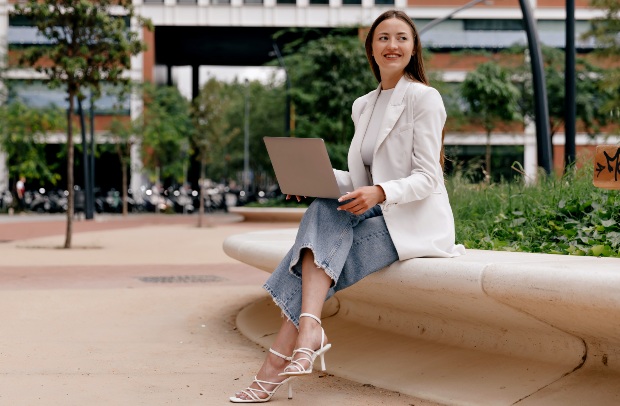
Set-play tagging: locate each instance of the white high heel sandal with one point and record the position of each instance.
(253, 394)
(295, 368)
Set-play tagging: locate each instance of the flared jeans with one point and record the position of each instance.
(347, 247)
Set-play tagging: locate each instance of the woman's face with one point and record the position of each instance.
(392, 46)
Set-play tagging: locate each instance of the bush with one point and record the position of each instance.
(558, 215)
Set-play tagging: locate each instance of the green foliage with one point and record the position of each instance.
(89, 45)
(212, 135)
(490, 95)
(23, 136)
(605, 31)
(164, 128)
(566, 215)
(327, 76)
(589, 101)
(266, 119)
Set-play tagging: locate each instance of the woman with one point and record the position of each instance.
(395, 207)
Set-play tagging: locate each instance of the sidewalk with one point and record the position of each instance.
(141, 312)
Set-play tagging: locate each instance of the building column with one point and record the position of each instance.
(4, 172)
(530, 153)
(195, 81)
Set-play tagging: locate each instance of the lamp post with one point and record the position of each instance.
(287, 124)
(570, 109)
(541, 110)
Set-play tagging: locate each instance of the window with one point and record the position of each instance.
(286, 1)
(384, 2)
(354, 2)
(319, 2)
(252, 1)
(493, 25)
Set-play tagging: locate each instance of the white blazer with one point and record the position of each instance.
(406, 165)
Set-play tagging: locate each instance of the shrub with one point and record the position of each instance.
(557, 215)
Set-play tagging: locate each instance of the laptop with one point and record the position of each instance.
(302, 166)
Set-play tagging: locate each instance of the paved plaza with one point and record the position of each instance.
(140, 312)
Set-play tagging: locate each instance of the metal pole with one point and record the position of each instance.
(287, 124)
(85, 162)
(246, 141)
(541, 109)
(570, 109)
(91, 192)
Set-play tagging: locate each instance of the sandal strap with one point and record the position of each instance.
(253, 392)
(311, 316)
(296, 363)
(277, 354)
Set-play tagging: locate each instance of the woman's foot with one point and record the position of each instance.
(311, 343)
(267, 380)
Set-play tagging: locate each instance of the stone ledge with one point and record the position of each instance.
(488, 328)
(270, 214)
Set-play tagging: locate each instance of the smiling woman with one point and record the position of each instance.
(394, 205)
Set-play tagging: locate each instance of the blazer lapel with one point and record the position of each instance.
(393, 111)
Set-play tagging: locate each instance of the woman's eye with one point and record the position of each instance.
(403, 38)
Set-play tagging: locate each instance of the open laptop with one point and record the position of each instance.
(302, 166)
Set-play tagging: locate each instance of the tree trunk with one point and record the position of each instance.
(70, 201)
(201, 206)
(488, 158)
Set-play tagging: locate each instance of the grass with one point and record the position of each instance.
(557, 215)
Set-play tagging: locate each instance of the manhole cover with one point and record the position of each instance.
(181, 279)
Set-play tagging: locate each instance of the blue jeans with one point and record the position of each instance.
(347, 247)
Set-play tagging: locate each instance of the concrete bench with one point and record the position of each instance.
(269, 214)
(487, 328)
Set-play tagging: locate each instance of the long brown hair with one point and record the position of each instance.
(414, 69)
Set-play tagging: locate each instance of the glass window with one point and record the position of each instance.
(286, 2)
(252, 1)
(493, 25)
(355, 2)
(36, 94)
(384, 2)
(319, 2)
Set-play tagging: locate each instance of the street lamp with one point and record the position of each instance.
(287, 124)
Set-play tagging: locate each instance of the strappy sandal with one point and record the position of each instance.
(254, 394)
(296, 367)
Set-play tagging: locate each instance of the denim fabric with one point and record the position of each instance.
(346, 246)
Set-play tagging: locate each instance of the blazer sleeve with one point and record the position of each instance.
(429, 116)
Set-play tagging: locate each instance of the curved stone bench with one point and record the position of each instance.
(487, 328)
(269, 214)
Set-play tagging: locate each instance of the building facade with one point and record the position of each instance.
(197, 33)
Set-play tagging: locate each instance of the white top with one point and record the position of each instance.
(372, 132)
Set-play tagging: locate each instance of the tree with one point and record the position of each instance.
(122, 139)
(491, 99)
(212, 134)
(605, 31)
(327, 75)
(23, 137)
(589, 101)
(267, 103)
(164, 128)
(88, 46)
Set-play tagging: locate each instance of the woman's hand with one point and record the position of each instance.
(296, 197)
(362, 199)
